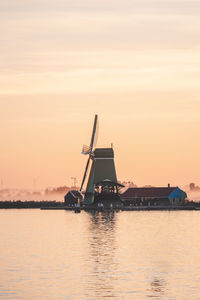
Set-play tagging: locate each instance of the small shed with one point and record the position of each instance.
(73, 197)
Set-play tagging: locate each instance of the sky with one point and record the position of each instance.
(134, 63)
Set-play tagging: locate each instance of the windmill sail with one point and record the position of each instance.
(93, 132)
(88, 149)
(96, 134)
(85, 150)
(85, 174)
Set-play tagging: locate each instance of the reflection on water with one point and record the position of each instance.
(89, 256)
(102, 253)
(157, 287)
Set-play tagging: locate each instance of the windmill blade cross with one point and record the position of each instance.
(88, 150)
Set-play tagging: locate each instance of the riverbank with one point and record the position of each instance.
(29, 204)
(136, 208)
(54, 205)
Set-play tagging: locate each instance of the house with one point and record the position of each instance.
(148, 196)
(73, 197)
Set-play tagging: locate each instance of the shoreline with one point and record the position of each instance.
(54, 205)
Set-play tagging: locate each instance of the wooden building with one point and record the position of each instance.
(73, 197)
(148, 196)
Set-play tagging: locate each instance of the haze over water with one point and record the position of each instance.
(126, 255)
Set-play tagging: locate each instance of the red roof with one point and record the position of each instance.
(148, 192)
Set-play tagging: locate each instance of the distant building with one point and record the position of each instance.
(73, 197)
(148, 196)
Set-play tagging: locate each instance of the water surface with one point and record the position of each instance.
(125, 255)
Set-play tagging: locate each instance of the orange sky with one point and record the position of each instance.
(134, 63)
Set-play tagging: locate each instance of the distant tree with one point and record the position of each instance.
(192, 186)
(128, 184)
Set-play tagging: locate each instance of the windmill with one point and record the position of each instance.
(102, 181)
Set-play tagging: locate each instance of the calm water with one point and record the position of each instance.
(126, 255)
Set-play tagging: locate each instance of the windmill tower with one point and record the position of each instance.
(102, 181)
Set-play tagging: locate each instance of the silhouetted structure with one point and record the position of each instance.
(73, 197)
(102, 186)
(149, 196)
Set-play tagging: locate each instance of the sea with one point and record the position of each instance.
(57, 254)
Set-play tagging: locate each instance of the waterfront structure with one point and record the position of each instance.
(102, 186)
(149, 196)
(73, 197)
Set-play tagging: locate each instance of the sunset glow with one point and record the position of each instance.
(134, 63)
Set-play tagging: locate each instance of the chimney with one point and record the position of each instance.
(168, 185)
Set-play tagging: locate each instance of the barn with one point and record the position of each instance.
(148, 196)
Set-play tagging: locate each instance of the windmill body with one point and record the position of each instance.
(102, 181)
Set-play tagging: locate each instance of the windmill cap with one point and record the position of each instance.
(104, 152)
